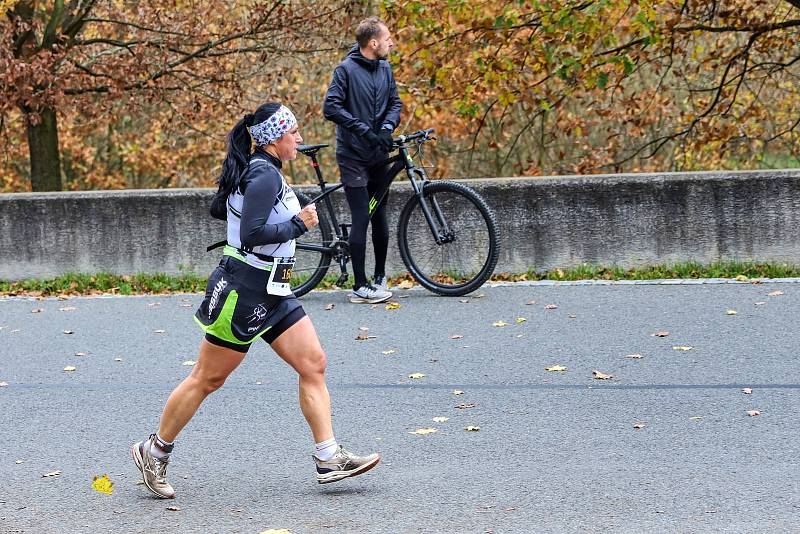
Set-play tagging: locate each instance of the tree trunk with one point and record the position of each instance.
(45, 158)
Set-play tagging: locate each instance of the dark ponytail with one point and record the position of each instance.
(237, 158)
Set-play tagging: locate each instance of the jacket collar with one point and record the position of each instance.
(356, 55)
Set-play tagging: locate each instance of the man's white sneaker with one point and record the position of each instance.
(369, 295)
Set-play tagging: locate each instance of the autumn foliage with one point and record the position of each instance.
(141, 94)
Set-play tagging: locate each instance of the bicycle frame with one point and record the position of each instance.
(403, 160)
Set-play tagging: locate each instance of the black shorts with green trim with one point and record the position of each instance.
(237, 309)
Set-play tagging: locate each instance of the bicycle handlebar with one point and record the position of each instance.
(421, 134)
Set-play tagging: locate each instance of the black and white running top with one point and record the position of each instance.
(262, 212)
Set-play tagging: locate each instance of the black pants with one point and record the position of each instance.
(361, 182)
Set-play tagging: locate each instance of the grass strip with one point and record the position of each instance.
(74, 284)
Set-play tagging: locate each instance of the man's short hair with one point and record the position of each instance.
(369, 28)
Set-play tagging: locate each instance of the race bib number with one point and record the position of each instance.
(280, 277)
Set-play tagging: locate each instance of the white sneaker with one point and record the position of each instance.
(369, 295)
(380, 283)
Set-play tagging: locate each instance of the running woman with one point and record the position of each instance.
(248, 297)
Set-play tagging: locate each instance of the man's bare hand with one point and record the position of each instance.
(309, 216)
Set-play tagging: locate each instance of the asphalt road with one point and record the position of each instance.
(556, 451)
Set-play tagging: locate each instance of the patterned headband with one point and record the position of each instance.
(274, 127)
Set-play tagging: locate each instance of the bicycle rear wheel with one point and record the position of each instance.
(311, 266)
(470, 245)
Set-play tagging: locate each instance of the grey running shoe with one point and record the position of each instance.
(344, 464)
(380, 282)
(369, 295)
(154, 470)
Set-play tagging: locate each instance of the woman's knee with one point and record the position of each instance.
(315, 363)
(208, 383)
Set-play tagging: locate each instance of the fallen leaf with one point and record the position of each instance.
(456, 336)
(276, 531)
(521, 320)
(741, 278)
(530, 303)
(598, 375)
(440, 419)
(67, 308)
(472, 428)
(730, 312)
(416, 376)
(639, 426)
(464, 301)
(189, 362)
(465, 405)
(117, 359)
(185, 305)
(388, 352)
(81, 354)
(154, 304)
(663, 333)
(500, 323)
(55, 473)
(406, 284)
(753, 413)
(747, 391)
(775, 293)
(70, 368)
(519, 335)
(695, 418)
(682, 347)
(635, 356)
(550, 306)
(571, 316)
(457, 392)
(479, 296)
(363, 333)
(68, 332)
(159, 331)
(102, 484)
(760, 303)
(19, 461)
(423, 431)
(393, 305)
(37, 310)
(174, 508)
(556, 368)
(329, 307)
(3, 384)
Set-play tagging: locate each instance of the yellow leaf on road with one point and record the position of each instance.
(188, 362)
(556, 368)
(775, 293)
(695, 418)
(103, 484)
(55, 473)
(440, 419)
(599, 375)
(741, 278)
(457, 392)
(521, 320)
(730, 312)
(499, 323)
(416, 376)
(406, 284)
(423, 431)
(393, 305)
(388, 352)
(70, 368)
(682, 347)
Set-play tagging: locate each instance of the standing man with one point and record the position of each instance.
(362, 100)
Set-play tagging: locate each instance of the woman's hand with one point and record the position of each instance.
(309, 216)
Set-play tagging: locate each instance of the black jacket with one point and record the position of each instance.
(362, 96)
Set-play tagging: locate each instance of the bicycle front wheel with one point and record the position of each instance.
(469, 240)
(311, 265)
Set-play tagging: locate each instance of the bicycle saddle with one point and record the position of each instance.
(310, 150)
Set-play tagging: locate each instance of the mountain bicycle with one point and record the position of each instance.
(447, 233)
